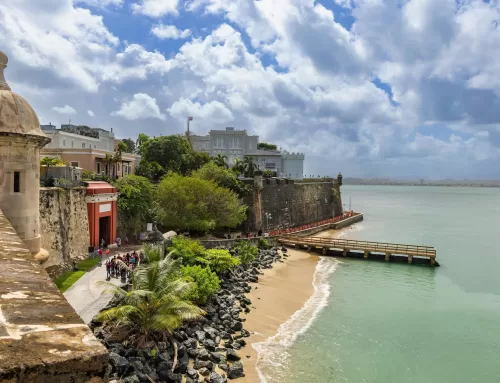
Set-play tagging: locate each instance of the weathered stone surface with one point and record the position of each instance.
(64, 227)
(232, 355)
(43, 337)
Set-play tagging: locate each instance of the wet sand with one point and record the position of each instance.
(280, 292)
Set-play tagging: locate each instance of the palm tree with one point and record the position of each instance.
(220, 160)
(249, 165)
(155, 306)
(141, 140)
(117, 157)
(238, 167)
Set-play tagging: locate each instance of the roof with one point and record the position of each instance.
(99, 187)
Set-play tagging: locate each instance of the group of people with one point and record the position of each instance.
(121, 266)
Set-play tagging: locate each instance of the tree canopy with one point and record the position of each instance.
(198, 205)
(222, 176)
(135, 202)
(130, 145)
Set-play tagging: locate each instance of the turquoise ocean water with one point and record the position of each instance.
(383, 322)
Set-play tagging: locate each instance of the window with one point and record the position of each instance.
(17, 182)
(219, 143)
(83, 145)
(98, 168)
(94, 146)
(72, 143)
(64, 142)
(75, 164)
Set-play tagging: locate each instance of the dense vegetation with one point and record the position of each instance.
(196, 205)
(166, 289)
(156, 304)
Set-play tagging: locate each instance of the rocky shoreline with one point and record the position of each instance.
(201, 351)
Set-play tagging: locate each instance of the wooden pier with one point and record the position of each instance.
(364, 249)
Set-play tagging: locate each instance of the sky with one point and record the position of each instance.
(371, 88)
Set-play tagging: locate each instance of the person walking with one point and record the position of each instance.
(108, 270)
(126, 241)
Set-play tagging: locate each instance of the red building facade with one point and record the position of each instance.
(102, 212)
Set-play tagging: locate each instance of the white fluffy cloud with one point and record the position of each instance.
(156, 8)
(66, 109)
(407, 85)
(170, 32)
(101, 3)
(90, 113)
(141, 106)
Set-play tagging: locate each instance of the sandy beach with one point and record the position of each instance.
(281, 291)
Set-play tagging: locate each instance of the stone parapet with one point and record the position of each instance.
(42, 339)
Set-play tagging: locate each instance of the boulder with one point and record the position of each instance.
(200, 335)
(232, 355)
(119, 363)
(204, 371)
(216, 357)
(216, 378)
(237, 326)
(235, 371)
(192, 373)
(199, 364)
(190, 343)
(203, 354)
(224, 367)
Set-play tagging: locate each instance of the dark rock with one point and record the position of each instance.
(237, 326)
(137, 365)
(190, 343)
(216, 357)
(224, 367)
(131, 379)
(163, 356)
(182, 364)
(200, 335)
(242, 342)
(163, 369)
(148, 370)
(204, 371)
(192, 373)
(235, 371)
(232, 355)
(198, 364)
(210, 345)
(162, 346)
(225, 335)
(216, 378)
(192, 352)
(171, 377)
(119, 363)
(237, 345)
(211, 332)
(203, 354)
(189, 380)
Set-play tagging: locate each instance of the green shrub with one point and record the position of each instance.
(193, 253)
(246, 251)
(206, 283)
(220, 260)
(190, 250)
(263, 243)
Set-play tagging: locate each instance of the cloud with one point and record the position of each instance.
(90, 113)
(213, 111)
(139, 107)
(156, 8)
(66, 109)
(372, 87)
(170, 32)
(101, 3)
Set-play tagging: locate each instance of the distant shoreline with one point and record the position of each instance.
(423, 185)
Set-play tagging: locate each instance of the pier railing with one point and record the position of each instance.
(366, 246)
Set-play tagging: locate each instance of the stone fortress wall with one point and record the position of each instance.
(290, 203)
(64, 227)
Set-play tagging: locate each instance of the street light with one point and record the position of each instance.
(267, 215)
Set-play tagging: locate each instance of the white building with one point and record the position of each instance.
(235, 144)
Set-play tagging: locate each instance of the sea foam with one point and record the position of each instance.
(272, 353)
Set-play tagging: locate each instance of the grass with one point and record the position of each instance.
(66, 280)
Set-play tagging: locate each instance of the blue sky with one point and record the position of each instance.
(388, 88)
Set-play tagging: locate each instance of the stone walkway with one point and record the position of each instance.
(87, 296)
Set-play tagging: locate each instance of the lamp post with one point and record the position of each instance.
(187, 132)
(267, 215)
